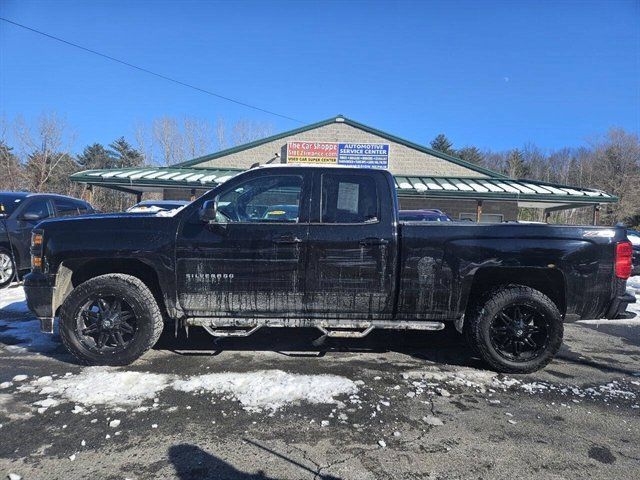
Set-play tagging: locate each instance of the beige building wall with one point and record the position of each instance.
(403, 160)
(454, 207)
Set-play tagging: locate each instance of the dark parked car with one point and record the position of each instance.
(634, 238)
(345, 266)
(426, 215)
(23, 211)
(154, 206)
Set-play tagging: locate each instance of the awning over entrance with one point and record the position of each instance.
(528, 193)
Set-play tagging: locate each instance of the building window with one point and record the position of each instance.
(484, 218)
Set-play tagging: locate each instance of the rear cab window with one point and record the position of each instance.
(349, 199)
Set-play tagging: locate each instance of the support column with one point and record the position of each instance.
(479, 211)
(596, 214)
(88, 193)
(138, 197)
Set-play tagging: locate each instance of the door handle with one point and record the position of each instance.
(287, 239)
(372, 241)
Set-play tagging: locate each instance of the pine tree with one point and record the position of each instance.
(470, 154)
(124, 154)
(442, 144)
(96, 156)
(516, 166)
(11, 178)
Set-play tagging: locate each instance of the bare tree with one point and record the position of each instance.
(197, 137)
(45, 147)
(167, 135)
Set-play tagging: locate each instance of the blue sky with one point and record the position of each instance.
(491, 74)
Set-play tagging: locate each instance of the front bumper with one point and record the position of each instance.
(39, 290)
(618, 306)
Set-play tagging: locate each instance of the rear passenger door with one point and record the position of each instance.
(352, 246)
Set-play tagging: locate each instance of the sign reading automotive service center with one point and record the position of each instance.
(367, 155)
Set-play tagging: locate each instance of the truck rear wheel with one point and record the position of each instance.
(516, 330)
(110, 320)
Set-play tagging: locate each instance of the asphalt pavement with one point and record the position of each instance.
(389, 406)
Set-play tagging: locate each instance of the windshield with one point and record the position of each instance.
(10, 202)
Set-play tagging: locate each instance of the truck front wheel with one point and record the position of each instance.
(516, 330)
(110, 320)
(7, 267)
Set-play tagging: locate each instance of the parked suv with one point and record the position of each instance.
(19, 213)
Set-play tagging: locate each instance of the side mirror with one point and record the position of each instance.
(208, 211)
(31, 217)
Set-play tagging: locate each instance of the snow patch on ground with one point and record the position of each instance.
(256, 391)
(12, 299)
(270, 389)
(103, 386)
(430, 381)
(26, 337)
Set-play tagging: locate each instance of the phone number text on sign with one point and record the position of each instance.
(312, 152)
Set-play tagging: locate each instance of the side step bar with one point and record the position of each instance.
(226, 327)
(225, 332)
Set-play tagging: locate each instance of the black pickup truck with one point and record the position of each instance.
(290, 246)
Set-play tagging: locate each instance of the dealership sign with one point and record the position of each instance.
(368, 155)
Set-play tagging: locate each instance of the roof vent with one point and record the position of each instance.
(339, 118)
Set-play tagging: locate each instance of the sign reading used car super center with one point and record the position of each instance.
(368, 155)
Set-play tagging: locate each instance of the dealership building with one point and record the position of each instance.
(425, 178)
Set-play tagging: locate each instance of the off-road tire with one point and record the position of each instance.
(137, 295)
(477, 327)
(6, 283)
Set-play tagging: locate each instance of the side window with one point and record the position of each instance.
(349, 199)
(265, 199)
(82, 207)
(66, 208)
(37, 210)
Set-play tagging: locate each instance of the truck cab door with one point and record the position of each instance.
(250, 261)
(352, 246)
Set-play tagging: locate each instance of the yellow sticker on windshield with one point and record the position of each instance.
(277, 212)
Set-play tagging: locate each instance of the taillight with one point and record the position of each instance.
(624, 254)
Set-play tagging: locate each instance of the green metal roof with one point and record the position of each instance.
(408, 186)
(161, 177)
(352, 123)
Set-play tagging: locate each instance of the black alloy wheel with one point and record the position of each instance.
(106, 324)
(519, 333)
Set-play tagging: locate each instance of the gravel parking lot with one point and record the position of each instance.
(392, 405)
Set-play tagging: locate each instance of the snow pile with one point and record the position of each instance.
(104, 386)
(169, 213)
(270, 389)
(256, 391)
(467, 377)
(12, 299)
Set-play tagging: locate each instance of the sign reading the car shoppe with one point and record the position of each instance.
(367, 155)
(312, 152)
